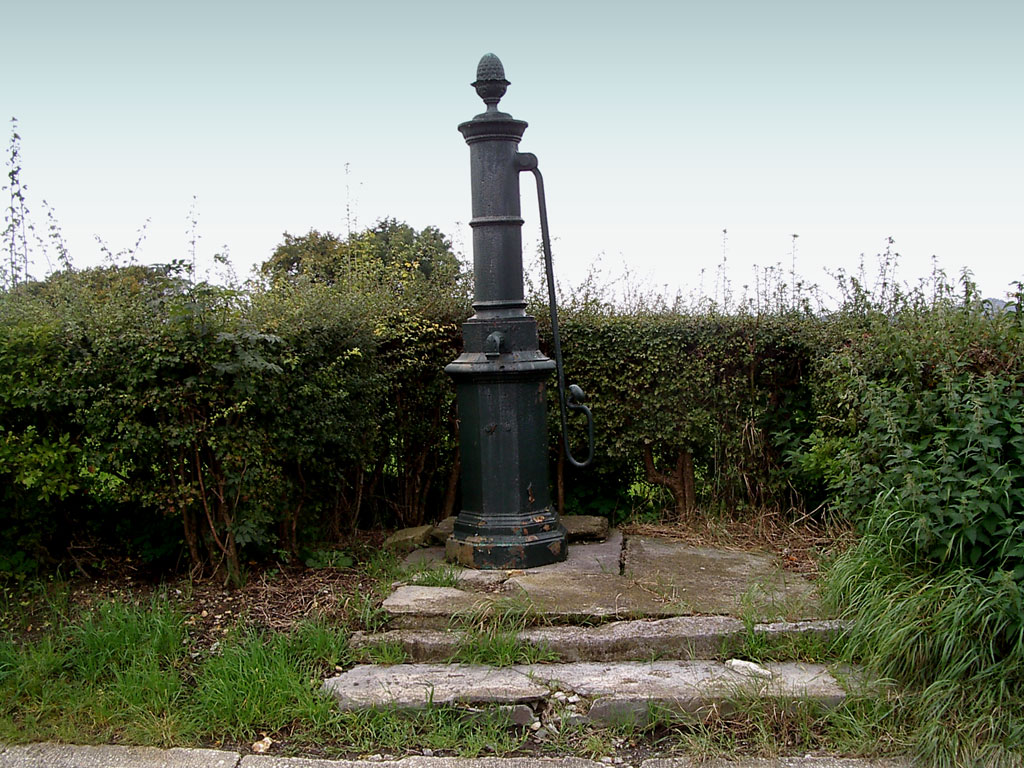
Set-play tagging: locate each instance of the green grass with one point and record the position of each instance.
(386, 652)
(948, 641)
(504, 614)
(129, 673)
(499, 648)
(263, 683)
(770, 600)
(490, 635)
(757, 646)
(443, 576)
(442, 729)
(114, 674)
(383, 569)
(764, 728)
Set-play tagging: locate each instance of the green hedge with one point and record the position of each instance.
(153, 413)
(148, 412)
(702, 404)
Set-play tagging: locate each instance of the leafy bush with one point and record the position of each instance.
(165, 414)
(921, 432)
(699, 402)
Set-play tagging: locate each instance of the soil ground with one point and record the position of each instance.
(276, 596)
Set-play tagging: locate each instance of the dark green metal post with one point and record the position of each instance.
(506, 520)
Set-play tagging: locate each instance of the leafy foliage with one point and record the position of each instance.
(692, 399)
(920, 435)
(136, 402)
(327, 258)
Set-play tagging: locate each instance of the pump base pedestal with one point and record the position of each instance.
(509, 544)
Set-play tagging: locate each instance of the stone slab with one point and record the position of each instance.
(662, 578)
(408, 539)
(587, 557)
(628, 690)
(592, 597)
(431, 607)
(427, 557)
(617, 691)
(716, 581)
(678, 637)
(416, 686)
(684, 637)
(821, 629)
(439, 533)
(585, 527)
(434, 645)
(68, 756)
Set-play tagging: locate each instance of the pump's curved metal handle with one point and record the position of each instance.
(573, 400)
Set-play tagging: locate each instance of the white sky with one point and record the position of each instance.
(657, 125)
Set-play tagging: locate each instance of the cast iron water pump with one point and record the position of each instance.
(507, 520)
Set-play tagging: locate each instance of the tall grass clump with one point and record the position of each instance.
(114, 673)
(921, 434)
(258, 682)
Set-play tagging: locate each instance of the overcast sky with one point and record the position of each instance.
(657, 124)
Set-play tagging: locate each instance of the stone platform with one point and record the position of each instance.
(620, 578)
(636, 623)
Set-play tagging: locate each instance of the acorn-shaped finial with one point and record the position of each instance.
(490, 81)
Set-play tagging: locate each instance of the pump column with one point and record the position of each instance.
(506, 520)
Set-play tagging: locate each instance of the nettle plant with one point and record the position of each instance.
(934, 419)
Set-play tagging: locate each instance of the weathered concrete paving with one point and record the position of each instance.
(615, 690)
(681, 637)
(585, 527)
(68, 756)
(641, 577)
(589, 597)
(605, 593)
(718, 581)
(265, 761)
(416, 686)
(431, 607)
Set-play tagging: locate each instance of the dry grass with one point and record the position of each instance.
(799, 545)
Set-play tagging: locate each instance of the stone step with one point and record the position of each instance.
(683, 637)
(609, 692)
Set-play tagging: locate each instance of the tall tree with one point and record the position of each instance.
(327, 258)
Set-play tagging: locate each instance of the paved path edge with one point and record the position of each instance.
(51, 755)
